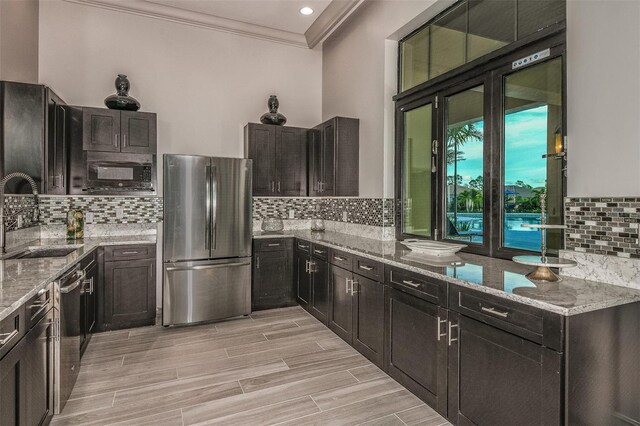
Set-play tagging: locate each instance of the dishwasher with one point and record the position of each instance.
(67, 347)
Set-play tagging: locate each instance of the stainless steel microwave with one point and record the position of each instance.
(109, 174)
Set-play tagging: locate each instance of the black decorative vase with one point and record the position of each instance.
(122, 100)
(273, 116)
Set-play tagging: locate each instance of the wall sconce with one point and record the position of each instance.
(558, 146)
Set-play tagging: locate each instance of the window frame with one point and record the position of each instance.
(491, 73)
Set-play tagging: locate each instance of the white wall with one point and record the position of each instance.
(359, 79)
(204, 85)
(603, 105)
(19, 40)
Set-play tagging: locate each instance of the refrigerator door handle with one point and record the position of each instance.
(200, 267)
(207, 225)
(214, 205)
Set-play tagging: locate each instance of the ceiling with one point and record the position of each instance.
(278, 21)
(277, 14)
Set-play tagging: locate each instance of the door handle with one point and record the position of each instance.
(278, 186)
(451, 339)
(124, 140)
(440, 322)
(214, 206)
(353, 284)
(201, 267)
(207, 207)
(346, 280)
(273, 186)
(257, 262)
(494, 311)
(115, 140)
(8, 337)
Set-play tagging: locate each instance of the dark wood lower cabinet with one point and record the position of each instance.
(13, 385)
(303, 279)
(341, 312)
(319, 276)
(272, 281)
(129, 293)
(368, 318)
(496, 378)
(416, 350)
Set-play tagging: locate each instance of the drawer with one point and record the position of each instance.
(12, 329)
(273, 244)
(303, 246)
(367, 268)
(38, 305)
(426, 288)
(131, 252)
(531, 323)
(319, 251)
(341, 259)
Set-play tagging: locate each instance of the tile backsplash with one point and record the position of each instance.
(19, 212)
(604, 226)
(362, 211)
(53, 209)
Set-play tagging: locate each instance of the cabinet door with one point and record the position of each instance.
(416, 353)
(13, 378)
(130, 294)
(272, 280)
(56, 144)
(320, 290)
(101, 129)
(91, 284)
(303, 280)
(368, 318)
(291, 161)
(327, 146)
(261, 148)
(341, 306)
(138, 131)
(39, 371)
(315, 161)
(497, 378)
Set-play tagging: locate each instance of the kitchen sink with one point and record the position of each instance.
(42, 253)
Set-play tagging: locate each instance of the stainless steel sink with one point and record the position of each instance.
(38, 253)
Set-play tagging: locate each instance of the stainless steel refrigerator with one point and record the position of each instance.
(207, 238)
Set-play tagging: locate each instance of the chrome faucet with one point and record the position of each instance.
(3, 183)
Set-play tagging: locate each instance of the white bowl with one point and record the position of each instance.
(432, 248)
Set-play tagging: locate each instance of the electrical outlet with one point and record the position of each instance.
(119, 213)
(345, 216)
(89, 217)
(292, 214)
(19, 224)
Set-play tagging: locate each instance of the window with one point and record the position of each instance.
(468, 30)
(476, 151)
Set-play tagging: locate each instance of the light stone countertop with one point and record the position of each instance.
(20, 279)
(499, 277)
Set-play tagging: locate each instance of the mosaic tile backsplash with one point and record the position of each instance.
(603, 226)
(19, 211)
(363, 211)
(53, 210)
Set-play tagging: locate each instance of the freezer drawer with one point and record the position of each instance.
(206, 290)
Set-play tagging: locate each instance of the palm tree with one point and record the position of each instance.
(456, 137)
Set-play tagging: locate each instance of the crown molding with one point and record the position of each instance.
(330, 20)
(201, 20)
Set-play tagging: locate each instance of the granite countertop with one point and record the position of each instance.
(499, 277)
(20, 279)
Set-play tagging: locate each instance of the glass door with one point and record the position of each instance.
(464, 156)
(418, 157)
(533, 154)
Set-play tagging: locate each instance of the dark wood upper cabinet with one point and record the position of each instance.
(279, 157)
(138, 132)
(56, 143)
(101, 129)
(334, 158)
(109, 130)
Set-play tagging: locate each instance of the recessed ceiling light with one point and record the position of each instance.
(306, 10)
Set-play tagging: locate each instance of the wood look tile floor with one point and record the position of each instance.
(275, 367)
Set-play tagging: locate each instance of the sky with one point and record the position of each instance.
(525, 143)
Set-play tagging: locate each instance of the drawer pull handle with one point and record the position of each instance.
(130, 252)
(274, 245)
(8, 337)
(339, 258)
(440, 322)
(494, 311)
(42, 291)
(410, 283)
(318, 251)
(303, 246)
(366, 268)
